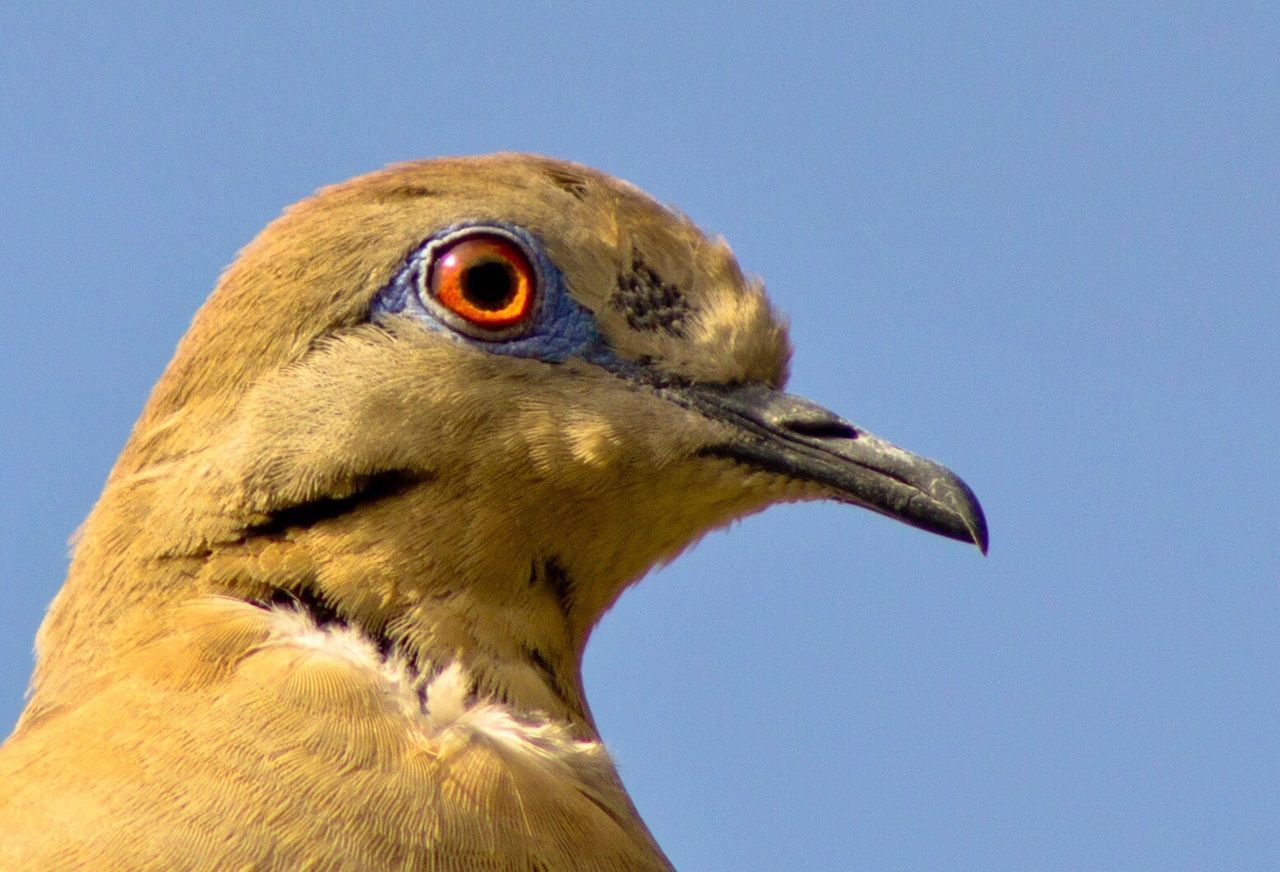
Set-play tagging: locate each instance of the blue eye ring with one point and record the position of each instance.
(557, 327)
(442, 286)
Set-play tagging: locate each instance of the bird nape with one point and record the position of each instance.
(330, 609)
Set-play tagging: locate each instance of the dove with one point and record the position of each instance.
(330, 609)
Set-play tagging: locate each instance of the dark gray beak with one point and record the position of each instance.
(791, 436)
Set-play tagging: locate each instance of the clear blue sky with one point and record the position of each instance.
(1039, 242)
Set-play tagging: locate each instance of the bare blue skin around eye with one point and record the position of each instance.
(561, 327)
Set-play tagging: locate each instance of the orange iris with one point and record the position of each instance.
(485, 279)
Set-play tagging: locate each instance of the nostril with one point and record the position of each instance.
(783, 413)
(828, 428)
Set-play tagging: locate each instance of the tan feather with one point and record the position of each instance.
(330, 608)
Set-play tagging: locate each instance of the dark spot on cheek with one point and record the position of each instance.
(649, 303)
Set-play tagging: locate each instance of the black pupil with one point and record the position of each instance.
(489, 285)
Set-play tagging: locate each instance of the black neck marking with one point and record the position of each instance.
(551, 573)
(368, 490)
(308, 600)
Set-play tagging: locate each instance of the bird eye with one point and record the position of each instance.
(485, 279)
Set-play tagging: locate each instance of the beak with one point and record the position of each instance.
(791, 436)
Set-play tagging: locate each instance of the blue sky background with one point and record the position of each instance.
(1038, 242)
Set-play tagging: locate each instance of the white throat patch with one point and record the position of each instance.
(441, 704)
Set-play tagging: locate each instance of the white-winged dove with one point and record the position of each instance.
(330, 609)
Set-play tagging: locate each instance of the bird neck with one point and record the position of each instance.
(504, 612)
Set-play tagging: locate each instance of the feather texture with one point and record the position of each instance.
(330, 609)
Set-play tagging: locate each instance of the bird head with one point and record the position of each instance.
(462, 404)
